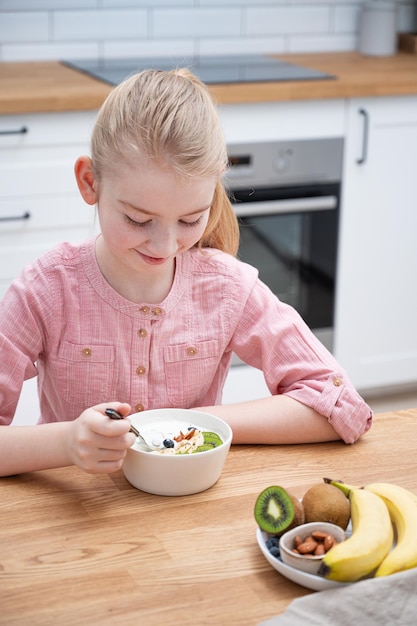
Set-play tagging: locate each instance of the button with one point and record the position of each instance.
(140, 370)
(139, 407)
(282, 163)
(192, 351)
(142, 332)
(86, 352)
(157, 311)
(337, 381)
(144, 309)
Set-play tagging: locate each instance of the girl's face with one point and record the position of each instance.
(149, 215)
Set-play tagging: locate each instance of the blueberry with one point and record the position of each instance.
(168, 443)
(273, 546)
(272, 542)
(274, 551)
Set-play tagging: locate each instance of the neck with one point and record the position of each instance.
(151, 286)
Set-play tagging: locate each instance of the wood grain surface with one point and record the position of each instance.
(51, 86)
(46, 87)
(92, 550)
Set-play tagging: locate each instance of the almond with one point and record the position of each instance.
(319, 551)
(319, 535)
(328, 542)
(308, 546)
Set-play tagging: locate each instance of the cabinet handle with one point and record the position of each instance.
(15, 218)
(364, 156)
(17, 131)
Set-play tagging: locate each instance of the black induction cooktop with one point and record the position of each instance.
(211, 70)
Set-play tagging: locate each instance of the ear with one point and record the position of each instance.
(85, 179)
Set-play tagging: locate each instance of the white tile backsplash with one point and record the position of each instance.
(321, 43)
(100, 25)
(346, 19)
(242, 45)
(155, 48)
(148, 3)
(56, 29)
(50, 51)
(196, 22)
(288, 19)
(30, 5)
(23, 27)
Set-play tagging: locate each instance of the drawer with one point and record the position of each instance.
(46, 129)
(38, 171)
(269, 121)
(45, 213)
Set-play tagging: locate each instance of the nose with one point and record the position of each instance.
(163, 243)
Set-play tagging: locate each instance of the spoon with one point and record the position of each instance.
(115, 415)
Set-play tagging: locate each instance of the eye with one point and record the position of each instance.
(194, 223)
(134, 223)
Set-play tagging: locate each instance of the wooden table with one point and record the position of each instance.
(90, 549)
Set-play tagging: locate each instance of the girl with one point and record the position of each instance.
(148, 314)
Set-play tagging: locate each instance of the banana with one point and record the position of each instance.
(370, 542)
(402, 506)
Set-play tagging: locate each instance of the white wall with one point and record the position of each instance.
(28, 411)
(57, 29)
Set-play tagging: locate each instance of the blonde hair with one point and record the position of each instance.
(168, 116)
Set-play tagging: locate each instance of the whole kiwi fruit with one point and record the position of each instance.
(326, 503)
(277, 510)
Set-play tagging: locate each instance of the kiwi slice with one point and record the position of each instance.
(274, 510)
(203, 448)
(211, 440)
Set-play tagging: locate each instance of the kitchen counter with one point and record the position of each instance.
(92, 550)
(27, 87)
(44, 87)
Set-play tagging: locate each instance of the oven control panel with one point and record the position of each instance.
(284, 163)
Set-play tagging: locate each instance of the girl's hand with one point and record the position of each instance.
(98, 444)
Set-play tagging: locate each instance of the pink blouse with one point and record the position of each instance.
(62, 321)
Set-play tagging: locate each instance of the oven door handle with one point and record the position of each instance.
(291, 205)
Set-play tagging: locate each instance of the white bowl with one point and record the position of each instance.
(309, 564)
(176, 475)
(310, 581)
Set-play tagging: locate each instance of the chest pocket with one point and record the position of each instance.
(85, 373)
(189, 371)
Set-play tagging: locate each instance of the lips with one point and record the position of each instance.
(151, 260)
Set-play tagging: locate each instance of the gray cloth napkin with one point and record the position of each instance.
(387, 601)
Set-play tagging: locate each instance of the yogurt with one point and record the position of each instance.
(175, 437)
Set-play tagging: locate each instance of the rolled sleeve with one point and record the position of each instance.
(296, 363)
(339, 402)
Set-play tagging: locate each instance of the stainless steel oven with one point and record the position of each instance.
(286, 195)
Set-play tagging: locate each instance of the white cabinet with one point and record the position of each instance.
(376, 310)
(269, 121)
(39, 201)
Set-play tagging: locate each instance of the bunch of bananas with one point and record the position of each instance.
(376, 510)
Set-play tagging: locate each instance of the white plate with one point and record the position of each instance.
(311, 581)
